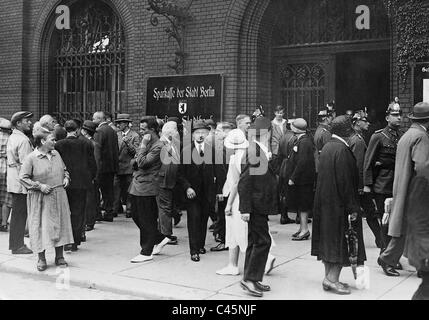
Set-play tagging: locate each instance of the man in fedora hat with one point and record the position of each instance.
(128, 141)
(92, 209)
(409, 218)
(18, 147)
(257, 189)
(197, 171)
(379, 167)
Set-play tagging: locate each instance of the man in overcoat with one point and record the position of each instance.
(78, 156)
(257, 189)
(128, 141)
(409, 199)
(109, 164)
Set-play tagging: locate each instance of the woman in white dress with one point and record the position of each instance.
(236, 228)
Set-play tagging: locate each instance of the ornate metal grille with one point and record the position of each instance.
(90, 62)
(303, 88)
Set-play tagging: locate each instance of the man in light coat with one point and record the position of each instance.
(412, 159)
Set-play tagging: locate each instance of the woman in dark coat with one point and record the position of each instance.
(300, 175)
(336, 198)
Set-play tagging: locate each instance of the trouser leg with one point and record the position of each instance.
(372, 218)
(259, 243)
(106, 186)
(193, 216)
(117, 192)
(165, 211)
(203, 220)
(91, 206)
(219, 229)
(394, 251)
(77, 203)
(18, 220)
(379, 199)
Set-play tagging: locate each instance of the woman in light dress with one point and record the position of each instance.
(44, 175)
(236, 228)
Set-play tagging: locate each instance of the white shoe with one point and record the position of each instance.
(141, 258)
(228, 271)
(158, 247)
(270, 264)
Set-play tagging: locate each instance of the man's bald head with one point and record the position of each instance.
(48, 122)
(98, 117)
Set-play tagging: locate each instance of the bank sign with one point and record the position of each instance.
(190, 96)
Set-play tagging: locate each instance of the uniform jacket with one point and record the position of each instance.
(412, 163)
(358, 146)
(78, 156)
(379, 164)
(276, 135)
(108, 140)
(321, 137)
(128, 146)
(18, 147)
(145, 179)
(257, 188)
(199, 173)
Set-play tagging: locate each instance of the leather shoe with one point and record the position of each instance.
(42, 265)
(61, 262)
(388, 270)
(89, 228)
(399, 266)
(173, 240)
(336, 287)
(219, 247)
(218, 238)
(251, 288)
(284, 219)
(195, 257)
(262, 287)
(23, 250)
(305, 236)
(83, 238)
(203, 251)
(108, 218)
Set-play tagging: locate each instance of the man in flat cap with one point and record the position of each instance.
(379, 167)
(18, 147)
(257, 189)
(128, 141)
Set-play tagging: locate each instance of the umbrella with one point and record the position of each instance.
(352, 246)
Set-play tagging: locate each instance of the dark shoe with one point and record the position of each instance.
(83, 238)
(27, 235)
(89, 228)
(398, 266)
(388, 270)
(74, 247)
(419, 274)
(212, 226)
(99, 218)
(173, 240)
(61, 262)
(195, 257)
(176, 219)
(42, 265)
(337, 287)
(3, 228)
(23, 250)
(218, 238)
(219, 247)
(296, 234)
(108, 218)
(251, 288)
(115, 215)
(128, 215)
(68, 247)
(202, 251)
(262, 287)
(284, 219)
(305, 236)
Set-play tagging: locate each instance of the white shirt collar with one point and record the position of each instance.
(341, 139)
(199, 145)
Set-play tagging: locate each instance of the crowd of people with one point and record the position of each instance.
(57, 180)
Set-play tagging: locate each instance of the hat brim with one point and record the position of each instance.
(296, 130)
(243, 145)
(413, 117)
(88, 129)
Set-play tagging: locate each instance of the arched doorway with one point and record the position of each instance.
(87, 63)
(307, 53)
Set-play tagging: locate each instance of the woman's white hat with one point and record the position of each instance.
(236, 140)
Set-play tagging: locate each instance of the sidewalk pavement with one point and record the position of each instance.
(103, 262)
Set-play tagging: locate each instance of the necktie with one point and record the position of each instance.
(200, 147)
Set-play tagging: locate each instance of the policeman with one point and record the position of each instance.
(323, 133)
(379, 166)
(359, 148)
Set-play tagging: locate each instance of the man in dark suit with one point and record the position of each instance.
(199, 182)
(257, 190)
(143, 191)
(109, 164)
(128, 141)
(78, 156)
(92, 209)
